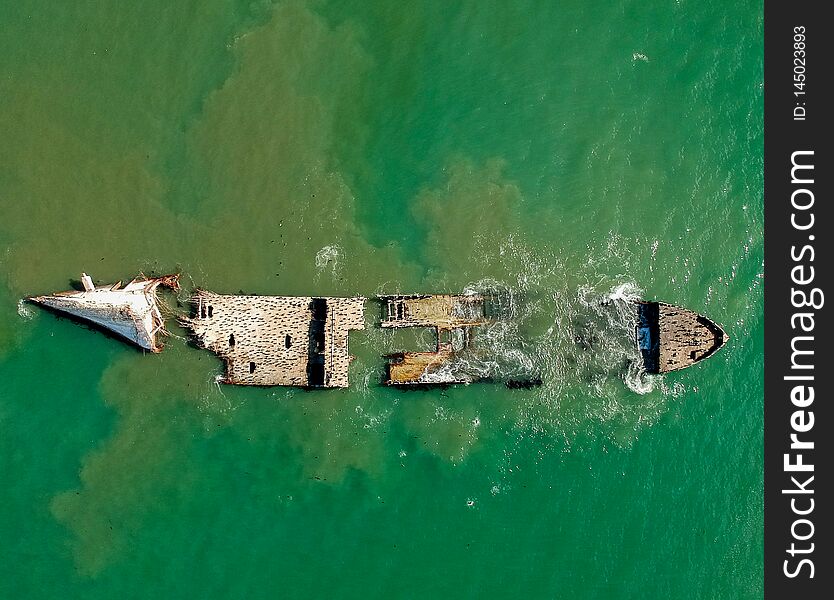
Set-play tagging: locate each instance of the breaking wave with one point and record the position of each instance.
(24, 310)
(589, 340)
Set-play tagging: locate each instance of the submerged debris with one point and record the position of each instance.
(131, 312)
(672, 338)
(277, 340)
(524, 384)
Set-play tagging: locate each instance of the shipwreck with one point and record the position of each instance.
(303, 340)
(131, 312)
(277, 340)
(671, 338)
(453, 318)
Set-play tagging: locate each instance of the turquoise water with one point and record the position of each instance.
(560, 152)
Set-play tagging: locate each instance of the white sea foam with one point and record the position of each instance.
(25, 310)
(628, 291)
(370, 420)
(328, 257)
(571, 327)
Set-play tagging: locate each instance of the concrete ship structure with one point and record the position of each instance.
(277, 340)
(130, 312)
(671, 338)
(452, 317)
(303, 340)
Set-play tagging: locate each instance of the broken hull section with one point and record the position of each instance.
(297, 341)
(426, 368)
(671, 338)
(453, 319)
(131, 312)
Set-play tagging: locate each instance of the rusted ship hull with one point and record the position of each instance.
(671, 338)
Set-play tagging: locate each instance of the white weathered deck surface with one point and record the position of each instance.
(131, 312)
(260, 326)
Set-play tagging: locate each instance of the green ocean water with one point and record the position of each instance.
(562, 152)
